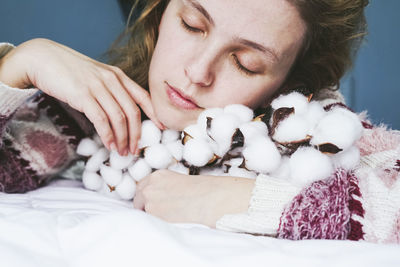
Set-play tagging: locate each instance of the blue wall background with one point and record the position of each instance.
(90, 26)
(373, 84)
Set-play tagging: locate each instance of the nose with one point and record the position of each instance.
(199, 69)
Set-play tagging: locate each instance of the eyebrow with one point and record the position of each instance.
(259, 47)
(266, 50)
(201, 9)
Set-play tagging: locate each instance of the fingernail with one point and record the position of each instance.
(125, 153)
(133, 149)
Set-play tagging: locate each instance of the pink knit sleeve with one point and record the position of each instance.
(361, 204)
(38, 136)
(329, 208)
(324, 210)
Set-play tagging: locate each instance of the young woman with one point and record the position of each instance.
(180, 57)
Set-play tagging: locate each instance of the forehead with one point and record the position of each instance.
(272, 23)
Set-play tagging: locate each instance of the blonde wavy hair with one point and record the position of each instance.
(335, 29)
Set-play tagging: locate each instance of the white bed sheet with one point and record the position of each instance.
(64, 225)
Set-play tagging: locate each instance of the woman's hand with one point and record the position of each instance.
(200, 199)
(102, 92)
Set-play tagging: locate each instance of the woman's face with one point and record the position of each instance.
(220, 52)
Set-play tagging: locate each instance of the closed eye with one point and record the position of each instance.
(189, 28)
(241, 67)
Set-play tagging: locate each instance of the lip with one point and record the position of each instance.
(179, 99)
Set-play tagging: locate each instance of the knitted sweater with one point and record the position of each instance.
(39, 136)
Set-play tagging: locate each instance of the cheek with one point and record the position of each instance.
(172, 44)
(240, 90)
(164, 58)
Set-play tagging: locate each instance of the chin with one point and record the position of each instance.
(175, 119)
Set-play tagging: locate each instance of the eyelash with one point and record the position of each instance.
(189, 28)
(241, 68)
(236, 61)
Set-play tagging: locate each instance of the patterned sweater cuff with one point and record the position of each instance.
(12, 98)
(269, 197)
(5, 48)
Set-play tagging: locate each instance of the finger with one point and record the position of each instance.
(98, 117)
(139, 201)
(140, 95)
(129, 108)
(116, 117)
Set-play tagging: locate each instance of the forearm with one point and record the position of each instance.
(12, 72)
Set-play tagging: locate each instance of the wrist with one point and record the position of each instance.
(232, 197)
(11, 72)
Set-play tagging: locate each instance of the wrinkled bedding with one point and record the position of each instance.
(64, 225)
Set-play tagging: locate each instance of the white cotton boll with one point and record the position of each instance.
(110, 175)
(347, 159)
(120, 162)
(283, 171)
(95, 161)
(244, 113)
(261, 155)
(196, 131)
(150, 134)
(223, 127)
(107, 191)
(169, 136)
(126, 188)
(139, 170)
(87, 147)
(197, 152)
(293, 128)
(92, 180)
(338, 128)
(213, 171)
(234, 162)
(296, 100)
(358, 128)
(223, 146)
(308, 165)
(252, 129)
(315, 113)
(179, 168)
(219, 151)
(240, 172)
(157, 156)
(220, 148)
(176, 149)
(210, 112)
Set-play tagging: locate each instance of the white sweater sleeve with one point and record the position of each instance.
(11, 98)
(269, 197)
